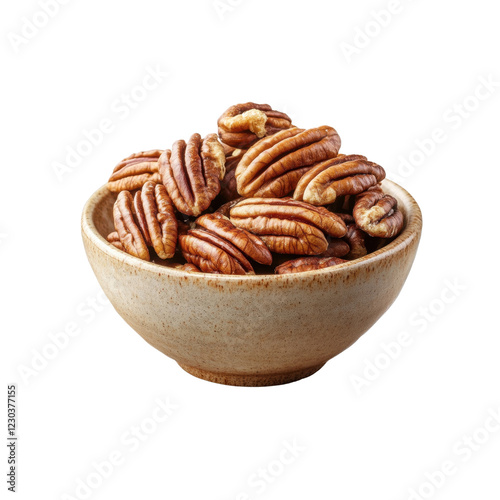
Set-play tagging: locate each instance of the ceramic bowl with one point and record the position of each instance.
(250, 330)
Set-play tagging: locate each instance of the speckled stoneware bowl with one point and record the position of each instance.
(251, 330)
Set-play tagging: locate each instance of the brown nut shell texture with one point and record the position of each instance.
(242, 125)
(133, 172)
(377, 214)
(307, 264)
(344, 175)
(273, 166)
(192, 172)
(220, 247)
(287, 226)
(145, 220)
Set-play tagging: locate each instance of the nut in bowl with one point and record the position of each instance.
(262, 290)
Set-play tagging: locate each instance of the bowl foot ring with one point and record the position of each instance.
(252, 380)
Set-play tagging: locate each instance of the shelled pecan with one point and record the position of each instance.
(307, 264)
(114, 239)
(243, 125)
(145, 220)
(273, 166)
(344, 175)
(377, 213)
(233, 156)
(228, 190)
(337, 247)
(226, 207)
(190, 268)
(192, 172)
(218, 246)
(127, 228)
(288, 226)
(134, 171)
(346, 217)
(156, 217)
(355, 238)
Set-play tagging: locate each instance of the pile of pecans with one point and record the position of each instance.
(262, 194)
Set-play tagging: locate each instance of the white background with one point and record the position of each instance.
(377, 438)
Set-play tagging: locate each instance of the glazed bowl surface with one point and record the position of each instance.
(250, 330)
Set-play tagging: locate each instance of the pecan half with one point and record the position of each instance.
(220, 247)
(114, 239)
(190, 268)
(355, 238)
(133, 172)
(155, 213)
(192, 172)
(248, 243)
(233, 157)
(336, 248)
(226, 207)
(273, 166)
(288, 226)
(344, 175)
(377, 214)
(242, 125)
(347, 218)
(307, 264)
(228, 189)
(147, 219)
(126, 226)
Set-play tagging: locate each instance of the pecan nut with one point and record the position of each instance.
(228, 191)
(134, 171)
(233, 157)
(145, 220)
(336, 248)
(307, 264)
(190, 268)
(127, 227)
(220, 247)
(288, 226)
(192, 172)
(273, 166)
(377, 214)
(156, 217)
(344, 175)
(114, 239)
(243, 125)
(355, 238)
(346, 217)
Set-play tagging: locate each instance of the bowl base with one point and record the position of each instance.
(252, 380)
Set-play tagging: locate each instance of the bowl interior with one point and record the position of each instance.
(102, 216)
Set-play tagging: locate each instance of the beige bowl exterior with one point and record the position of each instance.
(250, 330)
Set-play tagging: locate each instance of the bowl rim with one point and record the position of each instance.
(411, 231)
